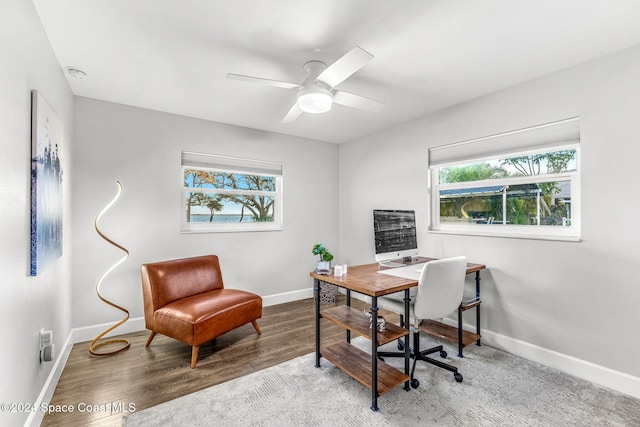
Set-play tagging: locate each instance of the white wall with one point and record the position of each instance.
(27, 303)
(141, 149)
(578, 300)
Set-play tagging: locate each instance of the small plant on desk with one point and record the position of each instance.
(327, 291)
(324, 264)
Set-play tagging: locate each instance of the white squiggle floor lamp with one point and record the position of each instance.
(124, 344)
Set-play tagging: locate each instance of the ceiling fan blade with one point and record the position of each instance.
(293, 114)
(357, 101)
(340, 70)
(276, 83)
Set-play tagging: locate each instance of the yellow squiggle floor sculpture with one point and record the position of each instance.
(95, 344)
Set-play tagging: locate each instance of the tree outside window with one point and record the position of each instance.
(534, 189)
(229, 200)
(531, 203)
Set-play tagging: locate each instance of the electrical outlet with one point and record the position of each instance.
(47, 347)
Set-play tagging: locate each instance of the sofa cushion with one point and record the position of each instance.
(196, 319)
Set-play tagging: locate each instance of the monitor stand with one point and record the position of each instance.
(396, 263)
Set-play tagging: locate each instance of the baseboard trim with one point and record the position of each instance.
(603, 376)
(88, 333)
(287, 297)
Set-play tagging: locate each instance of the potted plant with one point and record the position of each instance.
(327, 291)
(324, 264)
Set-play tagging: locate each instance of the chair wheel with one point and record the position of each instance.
(458, 377)
(443, 354)
(415, 383)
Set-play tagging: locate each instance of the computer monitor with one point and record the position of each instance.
(395, 236)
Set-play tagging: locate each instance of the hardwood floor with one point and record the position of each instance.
(102, 389)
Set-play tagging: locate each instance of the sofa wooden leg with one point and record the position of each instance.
(151, 335)
(255, 325)
(194, 356)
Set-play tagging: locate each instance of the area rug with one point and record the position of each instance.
(498, 389)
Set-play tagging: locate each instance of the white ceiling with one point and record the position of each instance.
(173, 55)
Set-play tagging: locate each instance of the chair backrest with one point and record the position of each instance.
(440, 288)
(168, 281)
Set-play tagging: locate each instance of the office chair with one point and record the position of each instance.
(439, 293)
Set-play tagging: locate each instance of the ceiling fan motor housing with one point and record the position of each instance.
(314, 98)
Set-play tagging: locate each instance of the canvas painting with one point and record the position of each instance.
(46, 185)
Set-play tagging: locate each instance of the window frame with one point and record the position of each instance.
(215, 163)
(570, 232)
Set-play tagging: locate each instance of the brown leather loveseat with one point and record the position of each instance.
(185, 299)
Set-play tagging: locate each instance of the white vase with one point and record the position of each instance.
(324, 267)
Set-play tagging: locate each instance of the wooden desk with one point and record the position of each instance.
(368, 370)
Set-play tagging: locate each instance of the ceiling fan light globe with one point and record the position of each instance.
(315, 103)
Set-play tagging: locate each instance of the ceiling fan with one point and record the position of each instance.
(316, 94)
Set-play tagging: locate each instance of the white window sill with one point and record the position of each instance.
(223, 229)
(508, 235)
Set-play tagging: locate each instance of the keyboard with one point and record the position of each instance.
(407, 271)
(391, 264)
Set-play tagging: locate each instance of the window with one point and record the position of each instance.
(524, 183)
(230, 194)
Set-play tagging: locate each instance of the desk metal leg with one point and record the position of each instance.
(405, 342)
(349, 305)
(478, 307)
(407, 350)
(460, 331)
(374, 354)
(316, 292)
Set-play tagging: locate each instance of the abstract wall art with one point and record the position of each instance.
(46, 184)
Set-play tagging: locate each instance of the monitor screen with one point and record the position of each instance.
(394, 234)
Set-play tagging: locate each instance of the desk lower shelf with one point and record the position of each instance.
(356, 321)
(357, 364)
(448, 333)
